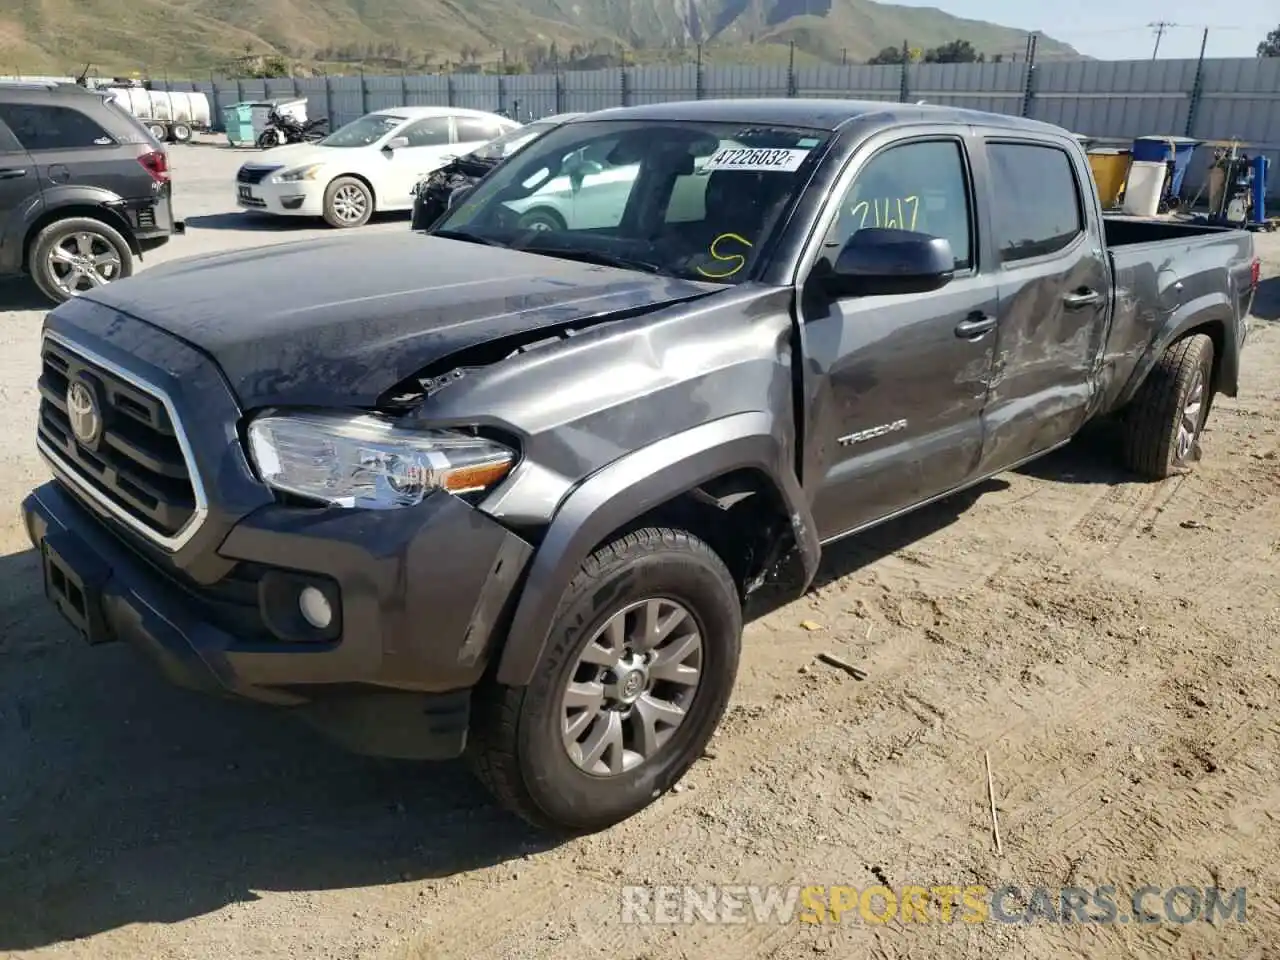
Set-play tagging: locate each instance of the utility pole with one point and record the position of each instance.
(1160, 26)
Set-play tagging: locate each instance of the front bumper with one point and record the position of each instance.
(423, 595)
(302, 199)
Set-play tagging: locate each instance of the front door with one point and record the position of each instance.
(1054, 289)
(898, 382)
(430, 142)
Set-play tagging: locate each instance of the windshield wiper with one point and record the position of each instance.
(467, 237)
(595, 256)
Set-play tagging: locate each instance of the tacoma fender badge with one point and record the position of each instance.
(871, 433)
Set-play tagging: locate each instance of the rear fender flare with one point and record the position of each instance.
(1211, 311)
(630, 487)
(60, 203)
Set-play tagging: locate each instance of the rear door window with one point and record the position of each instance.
(1037, 205)
(53, 127)
(476, 130)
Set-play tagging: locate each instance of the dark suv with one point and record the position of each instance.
(84, 188)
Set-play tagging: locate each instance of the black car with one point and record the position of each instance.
(431, 195)
(84, 188)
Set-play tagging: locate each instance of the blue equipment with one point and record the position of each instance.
(1175, 153)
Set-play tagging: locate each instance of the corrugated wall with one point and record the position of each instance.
(1219, 99)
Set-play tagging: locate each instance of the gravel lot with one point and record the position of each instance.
(1115, 646)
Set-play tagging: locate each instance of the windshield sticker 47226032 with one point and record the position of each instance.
(756, 159)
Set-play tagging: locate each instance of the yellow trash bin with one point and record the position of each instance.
(1110, 170)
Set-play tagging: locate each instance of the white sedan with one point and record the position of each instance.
(368, 166)
(594, 195)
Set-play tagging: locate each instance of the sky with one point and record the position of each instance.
(1117, 29)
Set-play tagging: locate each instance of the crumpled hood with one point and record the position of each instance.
(341, 320)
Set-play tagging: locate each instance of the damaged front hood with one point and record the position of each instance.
(339, 321)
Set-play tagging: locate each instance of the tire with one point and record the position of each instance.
(518, 748)
(78, 236)
(348, 202)
(158, 131)
(181, 133)
(1163, 423)
(541, 218)
(270, 138)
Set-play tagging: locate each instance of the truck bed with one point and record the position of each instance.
(1161, 268)
(1124, 231)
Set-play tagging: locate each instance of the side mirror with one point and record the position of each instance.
(397, 143)
(458, 195)
(882, 261)
(579, 169)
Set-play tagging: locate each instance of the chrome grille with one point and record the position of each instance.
(136, 466)
(252, 174)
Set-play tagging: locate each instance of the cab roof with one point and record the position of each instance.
(819, 113)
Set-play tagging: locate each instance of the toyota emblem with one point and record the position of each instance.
(83, 412)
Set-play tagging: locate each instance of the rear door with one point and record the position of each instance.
(430, 141)
(19, 198)
(1054, 291)
(899, 381)
(472, 133)
(71, 147)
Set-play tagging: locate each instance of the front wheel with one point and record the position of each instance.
(348, 202)
(270, 138)
(542, 220)
(1164, 421)
(636, 674)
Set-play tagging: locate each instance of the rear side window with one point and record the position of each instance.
(472, 129)
(431, 132)
(128, 128)
(1037, 209)
(50, 127)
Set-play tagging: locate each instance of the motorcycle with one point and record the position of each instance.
(282, 128)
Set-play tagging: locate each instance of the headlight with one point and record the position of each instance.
(367, 461)
(308, 172)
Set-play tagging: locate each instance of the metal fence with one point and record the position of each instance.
(1109, 100)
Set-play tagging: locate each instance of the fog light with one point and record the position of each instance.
(315, 608)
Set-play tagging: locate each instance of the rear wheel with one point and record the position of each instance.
(1164, 421)
(637, 671)
(71, 256)
(181, 133)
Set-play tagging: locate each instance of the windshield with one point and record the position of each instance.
(512, 141)
(690, 199)
(364, 132)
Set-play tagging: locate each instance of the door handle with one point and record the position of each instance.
(1081, 299)
(12, 173)
(975, 325)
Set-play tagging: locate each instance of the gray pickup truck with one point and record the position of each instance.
(503, 491)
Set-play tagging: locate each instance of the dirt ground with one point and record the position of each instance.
(1114, 646)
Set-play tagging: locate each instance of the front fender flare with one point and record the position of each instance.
(630, 487)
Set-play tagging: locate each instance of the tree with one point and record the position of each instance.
(957, 51)
(1270, 47)
(888, 55)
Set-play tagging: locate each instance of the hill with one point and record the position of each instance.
(194, 37)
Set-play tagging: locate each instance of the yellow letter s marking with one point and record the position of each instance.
(737, 259)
